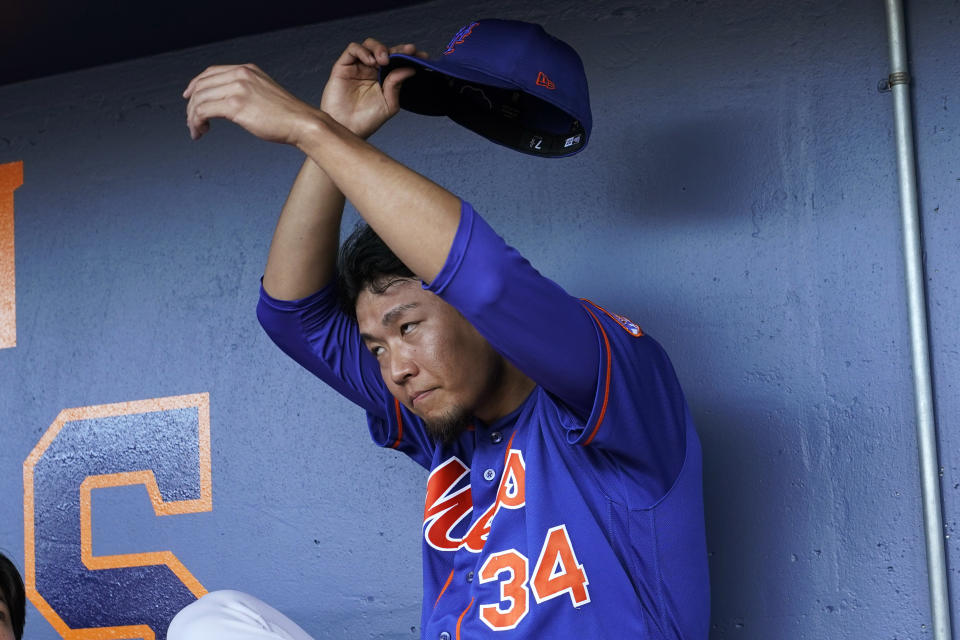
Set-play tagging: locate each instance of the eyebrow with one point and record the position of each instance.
(390, 316)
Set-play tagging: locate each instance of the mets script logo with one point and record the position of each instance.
(446, 506)
(461, 35)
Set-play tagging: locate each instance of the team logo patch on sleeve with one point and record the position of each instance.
(628, 325)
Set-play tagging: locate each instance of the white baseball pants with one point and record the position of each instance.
(233, 615)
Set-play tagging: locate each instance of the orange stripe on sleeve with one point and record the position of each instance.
(450, 578)
(460, 619)
(396, 404)
(606, 383)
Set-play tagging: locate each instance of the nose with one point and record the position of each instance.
(402, 366)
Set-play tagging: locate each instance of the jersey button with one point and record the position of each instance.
(444, 636)
(496, 437)
(489, 475)
(470, 576)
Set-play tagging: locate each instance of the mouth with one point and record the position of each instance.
(420, 396)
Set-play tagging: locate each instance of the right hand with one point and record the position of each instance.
(353, 95)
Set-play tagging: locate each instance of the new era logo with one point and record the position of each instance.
(544, 81)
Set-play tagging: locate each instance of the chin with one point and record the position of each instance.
(448, 426)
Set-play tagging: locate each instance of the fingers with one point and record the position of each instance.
(379, 51)
(366, 54)
(202, 102)
(229, 90)
(393, 82)
(409, 50)
(406, 49)
(374, 53)
(211, 90)
(212, 71)
(391, 86)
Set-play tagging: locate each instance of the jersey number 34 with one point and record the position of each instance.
(557, 572)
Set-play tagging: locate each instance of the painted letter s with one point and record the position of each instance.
(163, 444)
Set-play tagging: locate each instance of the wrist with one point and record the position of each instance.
(311, 131)
(323, 139)
(359, 129)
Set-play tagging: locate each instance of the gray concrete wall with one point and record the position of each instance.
(738, 199)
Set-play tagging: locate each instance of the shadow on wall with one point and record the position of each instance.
(755, 510)
(731, 477)
(694, 171)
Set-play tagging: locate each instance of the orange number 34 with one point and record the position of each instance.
(557, 572)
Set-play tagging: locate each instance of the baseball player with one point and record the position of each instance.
(564, 498)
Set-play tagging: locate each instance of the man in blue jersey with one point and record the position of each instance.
(564, 498)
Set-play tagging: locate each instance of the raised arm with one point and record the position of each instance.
(296, 308)
(304, 247)
(415, 217)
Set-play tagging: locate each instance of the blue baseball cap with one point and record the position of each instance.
(507, 80)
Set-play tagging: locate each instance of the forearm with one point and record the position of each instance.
(304, 248)
(415, 217)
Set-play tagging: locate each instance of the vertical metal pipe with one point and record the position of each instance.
(916, 300)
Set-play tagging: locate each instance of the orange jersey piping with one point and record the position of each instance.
(449, 579)
(460, 619)
(606, 383)
(396, 443)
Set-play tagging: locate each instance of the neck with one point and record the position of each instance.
(510, 389)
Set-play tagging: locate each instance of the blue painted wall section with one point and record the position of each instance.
(97, 447)
(738, 199)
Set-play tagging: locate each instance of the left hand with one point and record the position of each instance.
(245, 95)
(354, 97)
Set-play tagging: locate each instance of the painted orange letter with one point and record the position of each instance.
(163, 444)
(11, 177)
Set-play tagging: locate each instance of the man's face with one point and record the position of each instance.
(430, 356)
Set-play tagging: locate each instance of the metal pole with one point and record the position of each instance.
(899, 82)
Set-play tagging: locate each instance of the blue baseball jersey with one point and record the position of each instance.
(579, 514)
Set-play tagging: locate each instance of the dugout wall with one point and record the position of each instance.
(738, 199)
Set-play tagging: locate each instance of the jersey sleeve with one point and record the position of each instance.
(528, 318)
(616, 387)
(639, 409)
(321, 338)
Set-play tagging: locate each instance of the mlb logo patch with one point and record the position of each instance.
(631, 327)
(628, 325)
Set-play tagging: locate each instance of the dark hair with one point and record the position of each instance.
(13, 594)
(365, 262)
